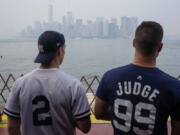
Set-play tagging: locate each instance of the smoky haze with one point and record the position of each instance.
(17, 15)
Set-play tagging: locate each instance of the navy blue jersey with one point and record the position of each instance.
(140, 99)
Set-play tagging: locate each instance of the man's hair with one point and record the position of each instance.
(148, 36)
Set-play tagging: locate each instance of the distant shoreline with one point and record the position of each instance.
(18, 39)
(10, 40)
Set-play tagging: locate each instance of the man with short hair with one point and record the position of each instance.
(138, 98)
(48, 101)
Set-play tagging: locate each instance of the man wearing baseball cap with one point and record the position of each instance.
(48, 101)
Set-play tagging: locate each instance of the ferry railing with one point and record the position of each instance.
(90, 84)
(5, 86)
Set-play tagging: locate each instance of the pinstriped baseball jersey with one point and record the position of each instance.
(48, 102)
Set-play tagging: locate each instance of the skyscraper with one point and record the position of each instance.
(70, 18)
(106, 28)
(50, 14)
(128, 26)
(99, 26)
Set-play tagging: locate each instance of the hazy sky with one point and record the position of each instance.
(17, 14)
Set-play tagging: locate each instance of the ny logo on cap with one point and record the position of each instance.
(58, 44)
(41, 49)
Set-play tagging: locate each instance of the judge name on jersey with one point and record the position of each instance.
(136, 88)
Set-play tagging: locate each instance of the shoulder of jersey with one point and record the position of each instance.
(171, 83)
(169, 78)
(20, 79)
(67, 76)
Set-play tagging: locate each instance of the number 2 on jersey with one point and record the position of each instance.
(127, 116)
(40, 115)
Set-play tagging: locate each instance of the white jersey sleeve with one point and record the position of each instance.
(12, 107)
(80, 105)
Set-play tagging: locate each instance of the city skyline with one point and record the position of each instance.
(17, 15)
(73, 27)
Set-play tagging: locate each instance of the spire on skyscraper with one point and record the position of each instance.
(50, 13)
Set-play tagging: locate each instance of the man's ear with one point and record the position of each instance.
(58, 52)
(134, 43)
(160, 47)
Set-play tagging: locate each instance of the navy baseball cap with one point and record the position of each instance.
(48, 43)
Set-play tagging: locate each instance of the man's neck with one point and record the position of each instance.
(144, 61)
(53, 64)
(47, 66)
